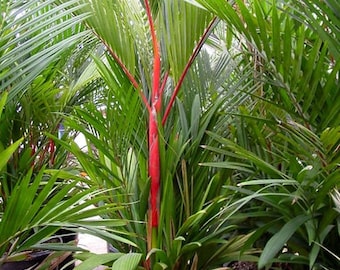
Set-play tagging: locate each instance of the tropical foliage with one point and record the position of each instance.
(212, 127)
(39, 55)
(188, 197)
(287, 139)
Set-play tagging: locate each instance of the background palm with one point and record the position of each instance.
(39, 53)
(290, 130)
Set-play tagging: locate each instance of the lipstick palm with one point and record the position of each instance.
(134, 25)
(161, 93)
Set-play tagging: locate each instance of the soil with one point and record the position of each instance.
(243, 266)
(253, 266)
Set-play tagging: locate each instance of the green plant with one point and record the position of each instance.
(36, 72)
(292, 200)
(281, 146)
(270, 100)
(40, 48)
(174, 203)
(40, 204)
(35, 211)
(8, 152)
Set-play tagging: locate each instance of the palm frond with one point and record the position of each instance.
(33, 35)
(180, 28)
(38, 207)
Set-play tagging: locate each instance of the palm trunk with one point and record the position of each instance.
(154, 169)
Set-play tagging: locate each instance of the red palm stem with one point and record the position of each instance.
(154, 152)
(155, 95)
(52, 151)
(154, 168)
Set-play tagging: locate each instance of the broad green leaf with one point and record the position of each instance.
(230, 165)
(127, 261)
(268, 182)
(190, 247)
(91, 261)
(277, 241)
(193, 220)
(6, 154)
(160, 266)
(161, 254)
(2, 103)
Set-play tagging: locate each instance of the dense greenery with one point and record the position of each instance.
(241, 98)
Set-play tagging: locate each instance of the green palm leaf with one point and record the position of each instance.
(276, 243)
(39, 206)
(127, 261)
(33, 35)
